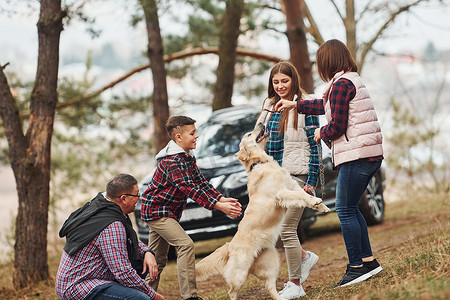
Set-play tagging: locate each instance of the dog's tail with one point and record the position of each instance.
(213, 264)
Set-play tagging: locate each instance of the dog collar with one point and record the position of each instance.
(253, 165)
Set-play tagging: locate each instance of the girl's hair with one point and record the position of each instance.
(287, 68)
(332, 57)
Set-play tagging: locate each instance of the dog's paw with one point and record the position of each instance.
(322, 208)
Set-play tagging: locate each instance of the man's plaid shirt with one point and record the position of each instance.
(176, 178)
(103, 260)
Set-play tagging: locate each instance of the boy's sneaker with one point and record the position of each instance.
(354, 275)
(291, 291)
(373, 266)
(307, 264)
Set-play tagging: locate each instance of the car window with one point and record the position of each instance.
(223, 139)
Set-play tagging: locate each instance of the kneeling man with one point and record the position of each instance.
(103, 258)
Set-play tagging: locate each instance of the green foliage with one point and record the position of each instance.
(8, 238)
(93, 138)
(249, 76)
(413, 151)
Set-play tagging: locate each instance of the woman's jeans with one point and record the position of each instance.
(352, 181)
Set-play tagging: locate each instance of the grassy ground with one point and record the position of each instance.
(412, 245)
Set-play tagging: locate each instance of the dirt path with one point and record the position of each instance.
(329, 245)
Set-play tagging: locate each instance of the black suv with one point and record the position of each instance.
(216, 157)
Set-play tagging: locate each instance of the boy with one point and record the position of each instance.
(176, 178)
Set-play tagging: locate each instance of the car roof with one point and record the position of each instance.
(231, 114)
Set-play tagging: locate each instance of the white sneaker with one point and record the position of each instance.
(291, 291)
(307, 265)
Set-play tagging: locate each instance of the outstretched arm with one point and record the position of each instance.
(229, 206)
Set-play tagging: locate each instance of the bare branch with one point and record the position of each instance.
(337, 10)
(364, 11)
(167, 58)
(366, 47)
(9, 113)
(313, 29)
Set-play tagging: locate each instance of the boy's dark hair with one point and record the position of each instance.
(175, 122)
(119, 185)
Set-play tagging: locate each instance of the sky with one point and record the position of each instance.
(18, 33)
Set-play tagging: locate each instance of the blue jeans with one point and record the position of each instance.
(352, 181)
(116, 291)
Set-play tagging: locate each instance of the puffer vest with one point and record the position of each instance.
(363, 137)
(297, 150)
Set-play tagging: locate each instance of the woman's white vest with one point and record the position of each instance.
(297, 150)
(363, 137)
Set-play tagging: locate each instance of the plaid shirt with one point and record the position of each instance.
(104, 259)
(342, 92)
(176, 178)
(313, 173)
(275, 145)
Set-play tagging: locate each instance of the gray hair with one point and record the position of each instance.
(120, 184)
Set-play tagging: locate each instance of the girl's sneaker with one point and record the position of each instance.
(354, 275)
(373, 266)
(291, 291)
(307, 264)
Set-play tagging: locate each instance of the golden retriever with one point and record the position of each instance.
(271, 191)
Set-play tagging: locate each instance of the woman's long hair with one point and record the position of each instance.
(332, 57)
(287, 68)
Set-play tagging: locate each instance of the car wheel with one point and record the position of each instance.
(371, 203)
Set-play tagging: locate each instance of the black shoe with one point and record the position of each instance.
(373, 266)
(194, 298)
(354, 275)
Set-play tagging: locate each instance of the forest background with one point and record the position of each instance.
(103, 125)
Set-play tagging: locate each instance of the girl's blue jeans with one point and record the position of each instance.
(352, 181)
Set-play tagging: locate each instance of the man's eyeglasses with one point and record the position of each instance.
(138, 195)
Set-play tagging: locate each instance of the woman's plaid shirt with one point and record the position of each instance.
(176, 178)
(104, 259)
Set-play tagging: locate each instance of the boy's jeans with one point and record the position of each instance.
(163, 233)
(352, 181)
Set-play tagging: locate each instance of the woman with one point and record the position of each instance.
(356, 147)
(295, 150)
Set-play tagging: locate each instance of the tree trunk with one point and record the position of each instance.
(29, 154)
(350, 28)
(296, 34)
(157, 64)
(229, 34)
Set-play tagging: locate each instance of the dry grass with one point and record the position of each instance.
(413, 246)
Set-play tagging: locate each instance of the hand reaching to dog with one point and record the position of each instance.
(229, 206)
(285, 104)
(310, 189)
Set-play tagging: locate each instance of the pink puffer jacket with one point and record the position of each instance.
(363, 136)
